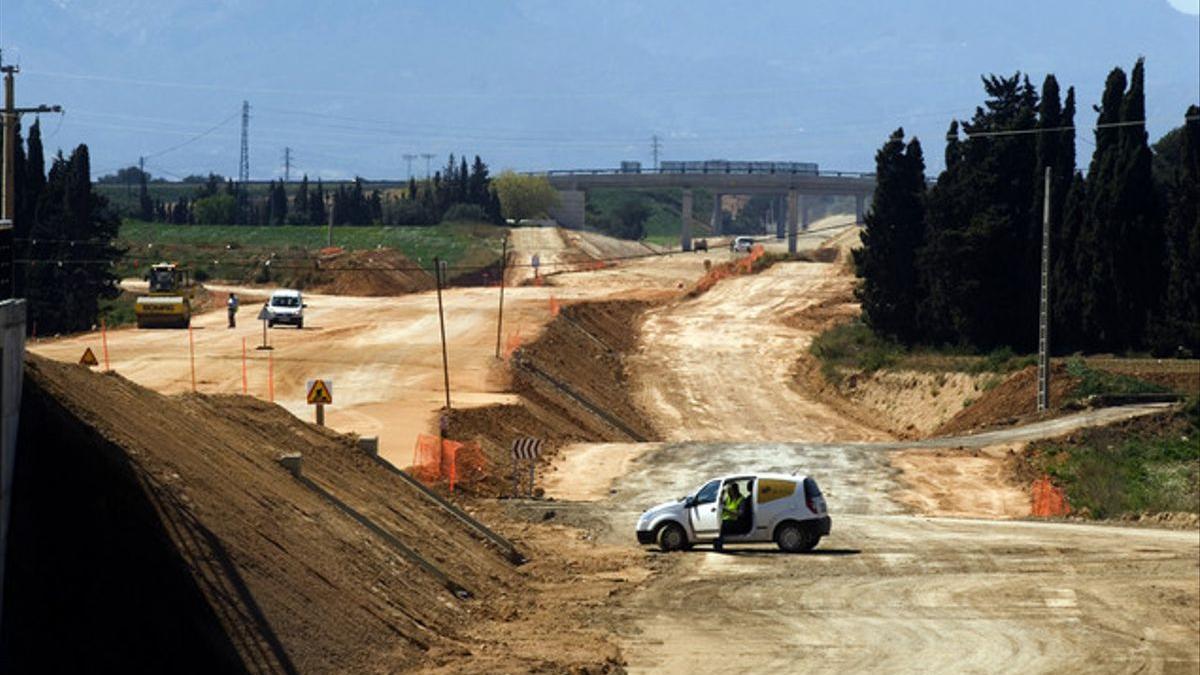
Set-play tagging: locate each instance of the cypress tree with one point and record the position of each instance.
(300, 205)
(894, 231)
(1098, 243)
(1177, 331)
(1139, 269)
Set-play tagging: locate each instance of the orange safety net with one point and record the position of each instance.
(744, 265)
(455, 462)
(513, 343)
(1048, 499)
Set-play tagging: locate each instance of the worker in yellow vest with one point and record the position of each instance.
(732, 504)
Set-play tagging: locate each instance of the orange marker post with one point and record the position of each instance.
(104, 341)
(245, 384)
(192, 356)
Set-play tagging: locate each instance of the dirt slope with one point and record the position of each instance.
(290, 580)
(584, 350)
(1013, 399)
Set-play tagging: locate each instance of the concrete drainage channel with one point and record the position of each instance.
(294, 464)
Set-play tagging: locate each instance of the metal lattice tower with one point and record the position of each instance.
(287, 165)
(408, 159)
(654, 147)
(244, 164)
(428, 156)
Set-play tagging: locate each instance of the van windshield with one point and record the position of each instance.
(285, 301)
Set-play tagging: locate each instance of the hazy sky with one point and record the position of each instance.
(353, 86)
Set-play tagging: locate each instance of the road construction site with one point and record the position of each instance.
(646, 373)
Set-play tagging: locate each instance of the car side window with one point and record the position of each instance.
(708, 493)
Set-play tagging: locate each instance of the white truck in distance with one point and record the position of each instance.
(286, 306)
(788, 510)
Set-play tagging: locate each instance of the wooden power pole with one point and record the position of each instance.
(8, 202)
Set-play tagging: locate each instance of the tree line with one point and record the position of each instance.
(63, 238)
(958, 263)
(457, 192)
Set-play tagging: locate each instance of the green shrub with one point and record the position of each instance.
(1094, 382)
(460, 213)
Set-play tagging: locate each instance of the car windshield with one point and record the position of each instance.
(285, 301)
(708, 493)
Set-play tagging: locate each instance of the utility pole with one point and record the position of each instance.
(287, 165)
(439, 272)
(654, 147)
(329, 227)
(1043, 396)
(408, 159)
(428, 156)
(8, 201)
(500, 313)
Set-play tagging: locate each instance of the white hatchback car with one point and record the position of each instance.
(788, 510)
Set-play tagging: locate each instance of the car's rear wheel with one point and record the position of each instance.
(795, 538)
(671, 537)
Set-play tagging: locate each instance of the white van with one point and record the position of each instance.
(741, 244)
(788, 510)
(286, 306)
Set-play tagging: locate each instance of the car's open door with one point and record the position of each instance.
(705, 512)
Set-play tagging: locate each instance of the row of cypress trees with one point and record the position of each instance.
(958, 263)
(63, 238)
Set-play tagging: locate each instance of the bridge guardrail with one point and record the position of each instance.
(677, 172)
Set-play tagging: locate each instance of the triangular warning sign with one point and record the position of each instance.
(88, 359)
(319, 392)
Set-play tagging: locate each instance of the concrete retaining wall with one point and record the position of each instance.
(12, 362)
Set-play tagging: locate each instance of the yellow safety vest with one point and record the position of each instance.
(729, 511)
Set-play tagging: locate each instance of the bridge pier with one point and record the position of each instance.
(685, 232)
(794, 204)
(570, 210)
(858, 208)
(718, 219)
(779, 211)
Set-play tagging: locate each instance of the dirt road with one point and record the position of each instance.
(718, 367)
(382, 354)
(890, 591)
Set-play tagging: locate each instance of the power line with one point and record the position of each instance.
(191, 140)
(1023, 132)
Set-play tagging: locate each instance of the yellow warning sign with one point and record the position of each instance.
(320, 391)
(88, 359)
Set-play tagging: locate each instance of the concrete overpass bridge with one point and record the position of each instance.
(797, 186)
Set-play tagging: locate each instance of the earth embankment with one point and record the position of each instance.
(177, 532)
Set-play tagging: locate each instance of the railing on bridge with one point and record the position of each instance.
(701, 171)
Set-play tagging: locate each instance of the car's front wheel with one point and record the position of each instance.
(794, 538)
(671, 537)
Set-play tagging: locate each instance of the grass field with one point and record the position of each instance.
(218, 248)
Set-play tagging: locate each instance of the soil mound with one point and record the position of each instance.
(152, 532)
(370, 273)
(1012, 400)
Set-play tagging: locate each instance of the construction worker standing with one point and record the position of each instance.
(731, 512)
(231, 306)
